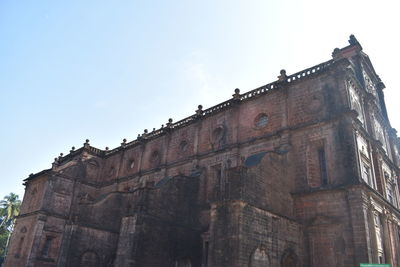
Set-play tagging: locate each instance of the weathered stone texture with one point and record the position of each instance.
(290, 174)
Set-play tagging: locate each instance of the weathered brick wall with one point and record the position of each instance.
(266, 179)
(224, 234)
(276, 234)
(333, 227)
(83, 240)
(22, 240)
(34, 194)
(168, 214)
(239, 229)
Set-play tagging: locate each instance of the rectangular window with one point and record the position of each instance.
(322, 166)
(379, 237)
(390, 194)
(217, 173)
(390, 189)
(395, 203)
(46, 246)
(19, 249)
(205, 253)
(366, 174)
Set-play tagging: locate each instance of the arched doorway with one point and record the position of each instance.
(89, 259)
(259, 258)
(289, 259)
(185, 262)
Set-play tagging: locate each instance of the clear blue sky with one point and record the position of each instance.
(106, 70)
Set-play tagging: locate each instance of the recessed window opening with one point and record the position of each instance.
(366, 174)
(19, 249)
(205, 253)
(183, 146)
(46, 246)
(322, 166)
(261, 120)
(131, 164)
(218, 133)
(155, 157)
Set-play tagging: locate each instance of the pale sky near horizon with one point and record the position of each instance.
(106, 70)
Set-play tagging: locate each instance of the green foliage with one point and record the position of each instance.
(3, 242)
(9, 209)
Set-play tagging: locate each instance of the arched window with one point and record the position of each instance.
(218, 133)
(155, 158)
(218, 137)
(130, 164)
(183, 146)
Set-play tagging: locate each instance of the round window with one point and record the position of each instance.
(261, 120)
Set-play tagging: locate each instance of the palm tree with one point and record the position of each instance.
(9, 207)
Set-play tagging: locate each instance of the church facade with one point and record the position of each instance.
(299, 172)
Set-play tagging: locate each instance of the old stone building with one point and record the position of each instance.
(299, 172)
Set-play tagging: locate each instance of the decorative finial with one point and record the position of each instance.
(72, 149)
(169, 123)
(144, 134)
(86, 144)
(123, 142)
(236, 95)
(154, 129)
(107, 148)
(283, 76)
(335, 53)
(380, 84)
(162, 126)
(61, 154)
(199, 110)
(353, 40)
